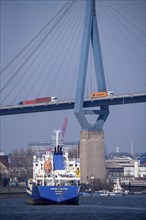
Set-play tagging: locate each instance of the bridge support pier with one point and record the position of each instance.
(92, 155)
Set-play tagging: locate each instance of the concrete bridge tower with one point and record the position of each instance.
(92, 157)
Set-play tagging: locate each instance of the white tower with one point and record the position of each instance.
(131, 145)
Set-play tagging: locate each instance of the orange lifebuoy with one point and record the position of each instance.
(47, 166)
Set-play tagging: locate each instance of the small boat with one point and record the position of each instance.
(104, 194)
(54, 180)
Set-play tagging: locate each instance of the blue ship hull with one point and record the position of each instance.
(53, 195)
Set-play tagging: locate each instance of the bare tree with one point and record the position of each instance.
(21, 164)
(96, 185)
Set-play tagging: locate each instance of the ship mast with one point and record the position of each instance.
(57, 138)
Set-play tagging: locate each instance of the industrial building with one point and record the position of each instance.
(130, 173)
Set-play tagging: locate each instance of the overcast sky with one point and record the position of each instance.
(122, 36)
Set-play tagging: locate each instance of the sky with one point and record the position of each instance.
(122, 36)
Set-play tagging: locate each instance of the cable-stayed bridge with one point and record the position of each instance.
(71, 49)
(48, 63)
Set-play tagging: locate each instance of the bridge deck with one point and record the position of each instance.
(69, 104)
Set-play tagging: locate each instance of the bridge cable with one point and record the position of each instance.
(112, 51)
(34, 38)
(109, 19)
(75, 38)
(35, 49)
(121, 32)
(119, 43)
(62, 50)
(38, 65)
(65, 38)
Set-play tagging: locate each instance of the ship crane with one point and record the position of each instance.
(64, 127)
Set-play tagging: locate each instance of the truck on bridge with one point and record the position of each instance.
(38, 100)
(101, 94)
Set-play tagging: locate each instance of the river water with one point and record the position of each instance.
(130, 207)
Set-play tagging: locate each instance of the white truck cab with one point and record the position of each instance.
(54, 99)
(110, 93)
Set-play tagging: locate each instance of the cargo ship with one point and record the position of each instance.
(54, 180)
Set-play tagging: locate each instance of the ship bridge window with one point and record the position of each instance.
(36, 164)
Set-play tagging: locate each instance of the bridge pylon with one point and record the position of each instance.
(92, 158)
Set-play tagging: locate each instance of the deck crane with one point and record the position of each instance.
(64, 127)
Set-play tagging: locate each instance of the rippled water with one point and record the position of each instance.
(130, 207)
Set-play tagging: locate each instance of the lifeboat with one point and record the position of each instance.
(47, 166)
